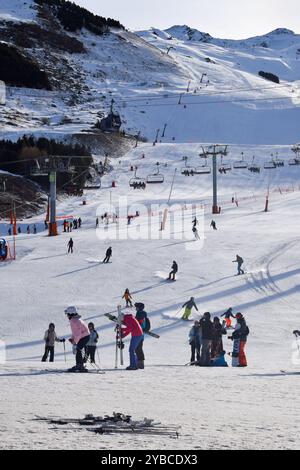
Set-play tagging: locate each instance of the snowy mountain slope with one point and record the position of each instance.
(46, 280)
(146, 82)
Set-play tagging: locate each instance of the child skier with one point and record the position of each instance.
(228, 315)
(132, 326)
(239, 262)
(188, 308)
(50, 338)
(80, 337)
(195, 340)
(127, 296)
(91, 346)
(70, 246)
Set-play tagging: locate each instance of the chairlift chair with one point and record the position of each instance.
(136, 180)
(156, 177)
(270, 165)
(294, 162)
(225, 166)
(240, 164)
(188, 170)
(254, 168)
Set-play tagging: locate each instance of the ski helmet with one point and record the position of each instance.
(51, 325)
(71, 311)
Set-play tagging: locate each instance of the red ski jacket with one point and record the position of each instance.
(131, 326)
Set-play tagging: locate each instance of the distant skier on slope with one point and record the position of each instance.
(213, 225)
(50, 338)
(239, 262)
(228, 315)
(239, 338)
(80, 337)
(174, 271)
(132, 326)
(189, 305)
(195, 232)
(70, 245)
(128, 298)
(108, 255)
(142, 318)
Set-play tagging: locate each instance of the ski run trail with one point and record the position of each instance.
(253, 408)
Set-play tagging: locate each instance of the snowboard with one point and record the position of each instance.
(115, 319)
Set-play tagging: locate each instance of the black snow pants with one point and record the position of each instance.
(48, 349)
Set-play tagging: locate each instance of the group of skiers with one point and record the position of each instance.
(73, 225)
(28, 230)
(205, 339)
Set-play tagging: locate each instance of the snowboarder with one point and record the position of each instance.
(195, 340)
(239, 338)
(239, 262)
(217, 342)
(213, 225)
(173, 272)
(80, 337)
(142, 318)
(108, 255)
(132, 326)
(50, 338)
(127, 296)
(91, 346)
(70, 245)
(207, 338)
(188, 308)
(228, 315)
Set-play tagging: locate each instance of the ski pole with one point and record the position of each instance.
(98, 355)
(65, 352)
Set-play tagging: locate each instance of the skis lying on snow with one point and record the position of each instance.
(67, 371)
(115, 319)
(115, 424)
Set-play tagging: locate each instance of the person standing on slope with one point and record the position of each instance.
(91, 346)
(174, 271)
(217, 342)
(207, 338)
(189, 305)
(50, 338)
(70, 246)
(108, 255)
(195, 340)
(132, 326)
(80, 337)
(142, 317)
(228, 315)
(239, 262)
(239, 338)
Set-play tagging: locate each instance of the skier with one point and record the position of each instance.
(46, 224)
(188, 308)
(34, 230)
(28, 229)
(65, 226)
(19, 230)
(79, 222)
(239, 262)
(207, 338)
(173, 272)
(70, 246)
(142, 317)
(195, 222)
(195, 340)
(195, 232)
(127, 296)
(239, 338)
(228, 315)
(80, 337)
(50, 338)
(213, 225)
(97, 222)
(91, 346)
(9, 231)
(108, 255)
(217, 342)
(75, 224)
(132, 326)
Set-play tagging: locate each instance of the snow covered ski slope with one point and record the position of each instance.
(216, 408)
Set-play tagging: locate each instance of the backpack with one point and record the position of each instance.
(147, 326)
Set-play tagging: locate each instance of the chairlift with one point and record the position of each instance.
(270, 165)
(188, 170)
(279, 163)
(254, 168)
(203, 169)
(156, 177)
(136, 180)
(240, 164)
(224, 167)
(294, 162)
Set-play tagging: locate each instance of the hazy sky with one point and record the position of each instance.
(221, 18)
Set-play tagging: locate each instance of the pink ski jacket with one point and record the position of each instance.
(131, 326)
(79, 329)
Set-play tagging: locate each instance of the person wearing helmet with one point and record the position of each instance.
(131, 325)
(188, 308)
(80, 337)
(50, 339)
